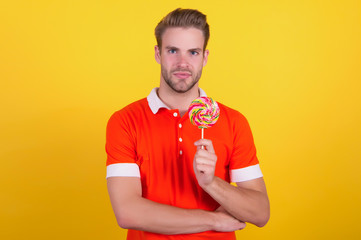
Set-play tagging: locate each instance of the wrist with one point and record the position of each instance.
(208, 186)
(214, 223)
(209, 220)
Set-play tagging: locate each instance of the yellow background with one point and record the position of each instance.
(293, 68)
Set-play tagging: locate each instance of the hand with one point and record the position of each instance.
(204, 163)
(226, 222)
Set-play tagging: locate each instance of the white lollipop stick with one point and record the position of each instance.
(202, 137)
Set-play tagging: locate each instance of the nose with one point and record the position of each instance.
(182, 61)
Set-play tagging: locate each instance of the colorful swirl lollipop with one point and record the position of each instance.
(203, 112)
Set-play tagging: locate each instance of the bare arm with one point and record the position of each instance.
(132, 211)
(247, 202)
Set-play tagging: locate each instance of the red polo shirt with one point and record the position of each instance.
(147, 140)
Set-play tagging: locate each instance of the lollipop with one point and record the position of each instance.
(203, 113)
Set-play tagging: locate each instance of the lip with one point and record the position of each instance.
(182, 75)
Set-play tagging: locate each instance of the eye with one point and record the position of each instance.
(194, 53)
(172, 51)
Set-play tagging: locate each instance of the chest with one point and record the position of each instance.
(165, 145)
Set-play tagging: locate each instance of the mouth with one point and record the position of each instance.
(182, 75)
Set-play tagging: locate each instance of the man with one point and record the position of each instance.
(162, 184)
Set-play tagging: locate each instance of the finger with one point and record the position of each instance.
(242, 225)
(205, 154)
(204, 168)
(206, 161)
(206, 143)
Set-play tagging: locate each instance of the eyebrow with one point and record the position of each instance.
(196, 49)
(192, 49)
(171, 47)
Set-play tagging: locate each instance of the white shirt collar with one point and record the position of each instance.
(155, 103)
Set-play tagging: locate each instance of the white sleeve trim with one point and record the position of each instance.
(245, 174)
(123, 170)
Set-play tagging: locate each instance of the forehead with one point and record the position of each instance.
(186, 38)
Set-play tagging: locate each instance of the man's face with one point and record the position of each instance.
(181, 58)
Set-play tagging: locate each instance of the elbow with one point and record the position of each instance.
(126, 222)
(123, 224)
(263, 219)
(263, 215)
(261, 223)
(127, 216)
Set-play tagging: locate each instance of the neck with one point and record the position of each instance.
(174, 100)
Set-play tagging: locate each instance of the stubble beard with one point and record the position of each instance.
(173, 84)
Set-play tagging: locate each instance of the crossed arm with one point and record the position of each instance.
(248, 202)
(132, 211)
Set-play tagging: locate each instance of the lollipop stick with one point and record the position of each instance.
(202, 147)
(202, 137)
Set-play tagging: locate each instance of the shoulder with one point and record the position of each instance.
(130, 114)
(132, 109)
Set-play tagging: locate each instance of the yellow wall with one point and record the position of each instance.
(293, 68)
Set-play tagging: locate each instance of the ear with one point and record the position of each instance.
(205, 57)
(157, 54)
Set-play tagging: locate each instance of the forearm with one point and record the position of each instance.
(247, 205)
(143, 214)
(135, 212)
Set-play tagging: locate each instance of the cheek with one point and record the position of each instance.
(197, 64)
(168, 61)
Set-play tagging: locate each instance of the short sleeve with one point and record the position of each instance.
(244, 163)
(120, 147)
